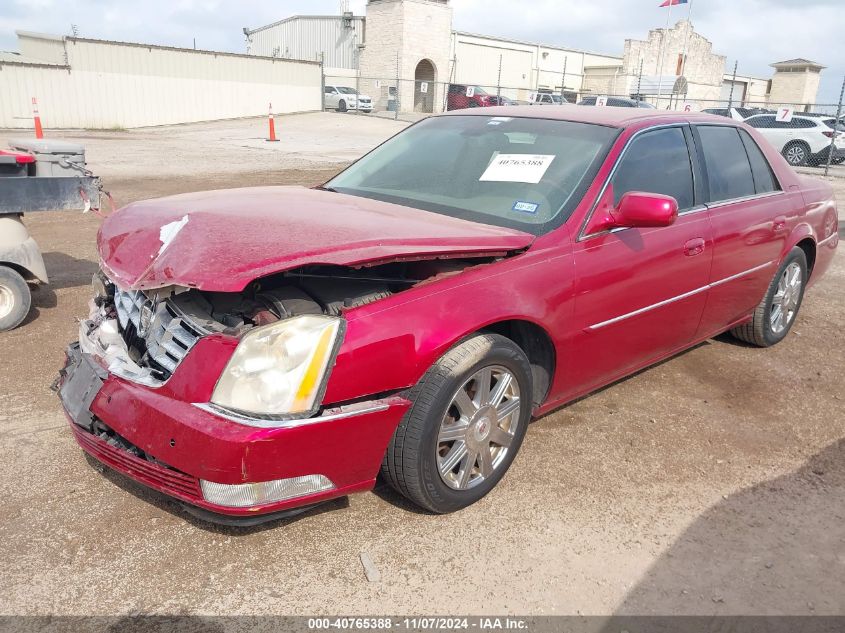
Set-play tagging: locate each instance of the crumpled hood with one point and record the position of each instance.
(222, 240)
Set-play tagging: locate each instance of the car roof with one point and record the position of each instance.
(608, 116)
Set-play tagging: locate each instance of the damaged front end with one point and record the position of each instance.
(143, 335)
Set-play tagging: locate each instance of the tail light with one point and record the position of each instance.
(829, 133)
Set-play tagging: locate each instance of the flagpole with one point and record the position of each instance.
(686, 39)
(663, 55)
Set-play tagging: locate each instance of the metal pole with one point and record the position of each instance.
(322, 85)
(733, 83)
(563, 81)
(835, 126)
(640, 81)
(686, 39)
(396, 113)
(663, 55)
(358, 89)
(499, 83)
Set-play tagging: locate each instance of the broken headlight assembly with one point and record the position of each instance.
(280, 370)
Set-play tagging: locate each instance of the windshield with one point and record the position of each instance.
(346, 91)
(522, 173)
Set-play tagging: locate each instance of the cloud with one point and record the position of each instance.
(754, 32)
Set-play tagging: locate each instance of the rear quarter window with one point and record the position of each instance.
(728, 168)
(764, 177)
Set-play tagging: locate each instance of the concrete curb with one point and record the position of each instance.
(835, 171)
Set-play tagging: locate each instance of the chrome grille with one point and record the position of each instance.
(167, 334)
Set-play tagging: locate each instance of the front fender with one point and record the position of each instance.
(21, 251)
(391, 343)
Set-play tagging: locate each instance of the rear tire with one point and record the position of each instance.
(15, 299)
(796, 153)
(453, 418)
(775, 314)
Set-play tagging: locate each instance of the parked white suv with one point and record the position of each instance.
(342, 98)
(805, 140)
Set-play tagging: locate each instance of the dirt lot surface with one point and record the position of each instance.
(713, 483)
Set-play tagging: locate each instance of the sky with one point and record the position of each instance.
(754, 32)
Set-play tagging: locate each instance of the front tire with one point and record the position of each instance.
(469, 415)
(15, 299)
(775, 314)
(341, 107)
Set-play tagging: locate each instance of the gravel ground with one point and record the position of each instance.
(712, 483)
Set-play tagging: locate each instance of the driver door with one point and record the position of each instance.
(641, 292)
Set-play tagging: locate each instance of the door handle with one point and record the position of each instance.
(779, 224)
(694, 247)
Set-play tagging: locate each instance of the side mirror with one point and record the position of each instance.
(639, 209)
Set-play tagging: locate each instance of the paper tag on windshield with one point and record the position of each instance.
(517, 168)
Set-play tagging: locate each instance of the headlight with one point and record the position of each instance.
(279, 369)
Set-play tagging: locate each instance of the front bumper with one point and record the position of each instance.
(182, 443)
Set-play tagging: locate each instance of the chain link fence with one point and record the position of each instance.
(807, 133)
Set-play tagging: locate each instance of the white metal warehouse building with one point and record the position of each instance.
(84, 83)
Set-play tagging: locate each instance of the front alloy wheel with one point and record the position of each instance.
(469, 415)
(478, 428)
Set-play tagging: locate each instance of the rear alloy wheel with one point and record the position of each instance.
(776, 313)
(15, 299)
(469, 416)
(796, 153)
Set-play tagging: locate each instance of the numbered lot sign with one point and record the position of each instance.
(424, 87)
(470, 91)
(601, 100)
(784, 115)
(689, 107)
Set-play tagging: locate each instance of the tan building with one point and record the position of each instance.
(795, 83)
(409, 39)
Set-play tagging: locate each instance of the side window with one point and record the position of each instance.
(762, 121)
(728, 169)
(328, 90)
(657, 162)
(764, 178)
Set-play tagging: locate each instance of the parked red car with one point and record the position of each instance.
(254, 351)
(459, 96)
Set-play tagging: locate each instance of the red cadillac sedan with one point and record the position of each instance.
(253, 352)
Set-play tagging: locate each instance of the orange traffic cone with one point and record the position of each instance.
(272, 126)
(39, 131)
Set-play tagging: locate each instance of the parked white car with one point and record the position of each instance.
(805, 140)
(343, 98)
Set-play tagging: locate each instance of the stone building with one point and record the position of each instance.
(411, 39)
